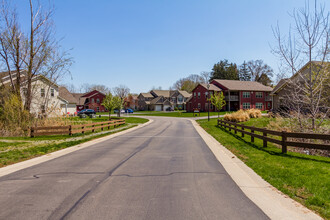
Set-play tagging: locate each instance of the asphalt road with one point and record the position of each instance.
(161, 171)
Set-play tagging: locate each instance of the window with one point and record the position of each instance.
(246, 94)
(199, 105)
(98, 109)
(42, 92)
(206, 95)
(195, 94)
(258, 94)
(25, 91)
(246, 105)
(92, 100)
(259, 105)
(268, 104)
(43, 109)
(97, 100)
(173, 99)
(52, 92)
(199, 95)
(180, 99)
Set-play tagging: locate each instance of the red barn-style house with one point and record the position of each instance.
(238, 95)
(90, 100)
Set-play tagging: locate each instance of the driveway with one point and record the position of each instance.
(161, 171)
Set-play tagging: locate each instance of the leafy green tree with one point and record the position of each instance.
(225, 70)
(108, 103)
(218, 100)
(118, 103)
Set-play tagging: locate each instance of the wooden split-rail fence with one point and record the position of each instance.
(74, 129)
(284, 136)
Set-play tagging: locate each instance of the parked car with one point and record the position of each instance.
(121, 111)
(86, 112)
(169, 109)
(129, 110)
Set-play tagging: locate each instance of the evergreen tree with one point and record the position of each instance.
(244, 73)
(225, 70)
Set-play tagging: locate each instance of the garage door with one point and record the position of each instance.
(158, 108)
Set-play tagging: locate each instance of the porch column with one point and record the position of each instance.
(229, 100)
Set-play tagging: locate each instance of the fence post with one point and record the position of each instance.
(70, 130)
(235, 129)
(284, 147)
(242, 131)
(252, 138)
(218, 122)
(265, 142)
(229, 126)
(83, 131)
(93, 126)
(102, 127)
(32, 132)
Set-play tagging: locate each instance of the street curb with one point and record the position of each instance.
(270, 200)
(37, 160)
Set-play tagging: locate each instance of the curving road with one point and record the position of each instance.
(161, 171)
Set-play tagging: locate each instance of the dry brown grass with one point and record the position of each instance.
(254, 113)
(238, 116)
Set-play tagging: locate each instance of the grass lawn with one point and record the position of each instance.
(16, 149)
(304, 178)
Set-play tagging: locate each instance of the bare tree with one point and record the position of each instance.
(260, 72)
(34, 53)
(307, 42)
(206, 76)
(122, 92)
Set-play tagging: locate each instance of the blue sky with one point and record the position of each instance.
(146, 43)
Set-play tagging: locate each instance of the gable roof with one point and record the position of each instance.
(184, 93)
(79, 100)
(279, 85)
(146, 95)
(66, 95)
(212, 87)
(283, 82)
(165, 93)
(243, 85)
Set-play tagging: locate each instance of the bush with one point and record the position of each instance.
(238, 116)
(254, 113)
(14, 120)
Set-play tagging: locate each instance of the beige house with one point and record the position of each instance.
(162, 100)
(287, 89)
(46, 98)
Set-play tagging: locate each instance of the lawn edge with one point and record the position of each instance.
(55, 154)
(270, 200)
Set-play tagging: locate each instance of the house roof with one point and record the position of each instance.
(66, 95)
(155, 100)
(212, 87)
(279, 85)
(243, 85)
(79, 99)
(146, 95)
(165, 93)
(184, 93)
(283, 82)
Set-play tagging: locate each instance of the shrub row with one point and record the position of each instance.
(243, 115)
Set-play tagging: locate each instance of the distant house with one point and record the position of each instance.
(69, 105)
(131, 101)
(90, 100)
(161, 100)
(45, 93)
(283, 91)
(238, 95)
